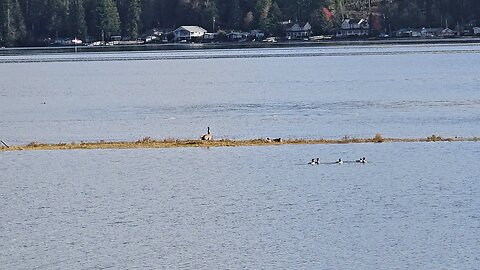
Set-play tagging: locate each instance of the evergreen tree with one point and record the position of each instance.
(262, 9)
(320, 23)
(235, 15)
(55, 16)
(133, 18)
(12, 28)
(35, 21)
(108, 20)
(210, 13)
(78, 27)
(274, 18)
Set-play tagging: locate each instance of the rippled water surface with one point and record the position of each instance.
(243, 208)
(412, 206)
(321, 92)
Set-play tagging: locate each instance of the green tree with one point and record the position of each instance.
(12, 28)
(235, 16)
(37, 20)
(320, 23)
(262, 10)
(108, 20)
(133, 18)
(210, 12)
(76, 18)
(274, 18)
(56, 13)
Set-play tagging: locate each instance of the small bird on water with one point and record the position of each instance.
(314, 161)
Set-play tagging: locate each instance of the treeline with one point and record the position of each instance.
(431, 13)
(31, 22)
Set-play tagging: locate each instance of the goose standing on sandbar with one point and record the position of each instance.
(208, 136)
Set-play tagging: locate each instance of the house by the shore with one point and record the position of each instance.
(425, 32)
(297, 30)
(407, 32)
(353, 28)
(237, 36)
(476, 30)
(189, 33)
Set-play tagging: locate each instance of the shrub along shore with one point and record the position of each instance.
(147, 142)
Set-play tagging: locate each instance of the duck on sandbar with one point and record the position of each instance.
(339, 161)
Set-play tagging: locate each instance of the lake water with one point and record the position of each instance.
(321, 92)
(412, 206)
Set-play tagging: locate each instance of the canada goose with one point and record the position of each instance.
(208, 136)
(312, 162)
(277, 140)
(339, 161)
(268, 140)
(317, 161)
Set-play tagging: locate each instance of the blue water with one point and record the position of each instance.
(324, 92)
(412, 206)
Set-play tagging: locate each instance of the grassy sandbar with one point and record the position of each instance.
(173, 143)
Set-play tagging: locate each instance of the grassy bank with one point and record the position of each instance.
(172, 143)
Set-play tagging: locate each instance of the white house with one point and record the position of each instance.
(298, 30)
(189, 33)
(476, 30)
(431, 32)
(353, 27)
(447, 32)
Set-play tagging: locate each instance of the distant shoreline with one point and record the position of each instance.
(228, 45)
(147, 142)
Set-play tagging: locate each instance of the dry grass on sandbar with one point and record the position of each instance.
(148, 142)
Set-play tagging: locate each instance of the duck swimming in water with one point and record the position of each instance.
(361, 160)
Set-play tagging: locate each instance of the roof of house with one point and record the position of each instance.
(293, 27)
(191, 28)
(353, 21)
